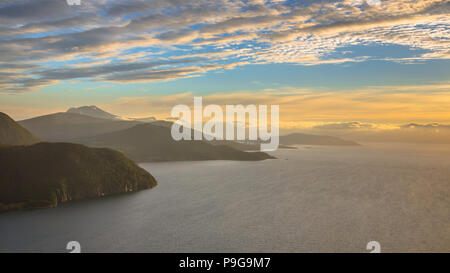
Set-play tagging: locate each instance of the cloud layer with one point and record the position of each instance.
(43, 42)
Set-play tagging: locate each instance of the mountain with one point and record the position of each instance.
(13, 134)
(68, 126)
(305, 139)
(92, 111)
(247, 146)
(148, 142)
(250, 146)
(237, 145)
(163, 123)
(149, 119)
(47, 174)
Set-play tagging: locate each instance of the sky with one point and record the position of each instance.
(334, 65)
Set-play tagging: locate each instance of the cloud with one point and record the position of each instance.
(433, 126)
(30, 11)
(52, 35)
(109, 68)
(154, 75)
(345, 126)
(319, 109)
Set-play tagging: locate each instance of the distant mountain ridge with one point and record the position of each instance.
(12, 133)
(148, 142)
(137, 140)
(306, 139)
(79, 122)
(68, 126)
(94, 111)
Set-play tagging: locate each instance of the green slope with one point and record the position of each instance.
(47, 174)
(13, 134)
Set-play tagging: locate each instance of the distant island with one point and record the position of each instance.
(306, 139)
(247, 146)
(149, 142)
(98, 161)
(142, 140)
(37, 174)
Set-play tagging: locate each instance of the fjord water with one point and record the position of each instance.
(314, 199)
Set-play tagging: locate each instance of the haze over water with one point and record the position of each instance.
(314, 199)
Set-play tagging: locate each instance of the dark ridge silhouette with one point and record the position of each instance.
(298, 138)
(13, 134)
(237, 145)
(249, 146)
(68, 126)
(149, 142)
(81, 123)
(163, 123)
(147, 119)
(47, 174)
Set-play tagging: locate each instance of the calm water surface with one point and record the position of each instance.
(326, 199)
